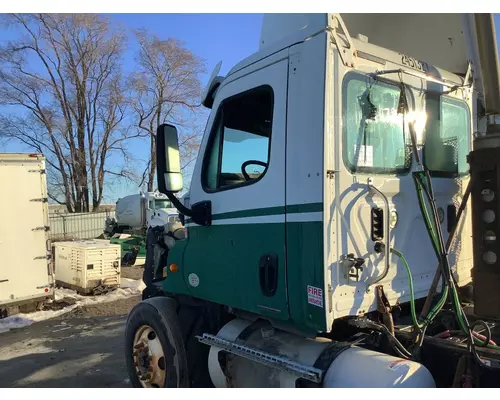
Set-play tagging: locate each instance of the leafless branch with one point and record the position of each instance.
(63, 75)
(165, 84)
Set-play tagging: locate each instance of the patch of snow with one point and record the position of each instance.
(136, 284)
(22, 320)
(128, 288)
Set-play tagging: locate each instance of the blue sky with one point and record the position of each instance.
(213, 37)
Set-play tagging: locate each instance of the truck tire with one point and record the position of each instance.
(154, 349)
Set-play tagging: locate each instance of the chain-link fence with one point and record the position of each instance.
(78, 226)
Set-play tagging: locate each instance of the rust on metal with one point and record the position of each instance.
(384, 307)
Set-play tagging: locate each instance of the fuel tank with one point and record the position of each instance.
(269, 357)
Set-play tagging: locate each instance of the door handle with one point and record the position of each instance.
(268, 274)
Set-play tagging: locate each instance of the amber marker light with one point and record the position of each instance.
(174, 268)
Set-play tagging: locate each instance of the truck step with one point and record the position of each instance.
(270, 360)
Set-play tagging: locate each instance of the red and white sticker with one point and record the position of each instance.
(396, 364)
(315, 296)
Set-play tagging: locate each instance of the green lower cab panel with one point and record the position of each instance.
(223, 264)
(307, 299)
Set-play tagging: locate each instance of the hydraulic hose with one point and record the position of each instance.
(434, 311)
(425, 214)
(431, 225)
(449, 284)
(449, 242)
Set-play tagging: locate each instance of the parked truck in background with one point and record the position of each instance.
(135, 214)
(26, 274)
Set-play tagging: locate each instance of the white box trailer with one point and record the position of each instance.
(87, 266)
(26, 276)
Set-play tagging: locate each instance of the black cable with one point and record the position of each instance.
(451, 277)
(418, 180)
(445, 268)
(392, 339)
(486, 328)
(399, 353)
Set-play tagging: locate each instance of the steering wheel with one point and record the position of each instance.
(249, 162)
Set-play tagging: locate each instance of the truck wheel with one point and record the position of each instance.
(154, 349)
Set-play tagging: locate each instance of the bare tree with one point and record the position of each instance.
(166, 88)
(62, 79)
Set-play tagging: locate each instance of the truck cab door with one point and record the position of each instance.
(239, 260)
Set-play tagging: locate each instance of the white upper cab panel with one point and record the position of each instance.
(438, 50)
(441, 43)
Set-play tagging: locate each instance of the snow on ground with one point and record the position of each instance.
(128, 288)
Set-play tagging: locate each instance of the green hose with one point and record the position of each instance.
(431, 229)
(435, 310)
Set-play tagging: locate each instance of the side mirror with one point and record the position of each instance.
(169, 177)
(168, 161)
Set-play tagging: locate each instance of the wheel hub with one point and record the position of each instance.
(149, 360)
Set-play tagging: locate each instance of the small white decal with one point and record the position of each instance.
(315, 296)
(365, 156)
(194, 280)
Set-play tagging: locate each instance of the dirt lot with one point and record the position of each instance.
(83, 348)
(133, 272)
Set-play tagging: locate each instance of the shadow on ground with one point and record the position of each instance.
(76, 353)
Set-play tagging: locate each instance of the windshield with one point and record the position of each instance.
(163, 204)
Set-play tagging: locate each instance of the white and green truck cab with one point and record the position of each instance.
(303, 187)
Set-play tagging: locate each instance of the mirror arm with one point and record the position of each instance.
(200, 213)
(178, 204)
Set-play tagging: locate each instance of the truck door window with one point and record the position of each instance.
(447, 136)
(374, 140)
(239, 145)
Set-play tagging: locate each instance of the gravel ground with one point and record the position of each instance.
(83, 348)
(120, 307)
(133, 272)
(80, 349)
(76, 353)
